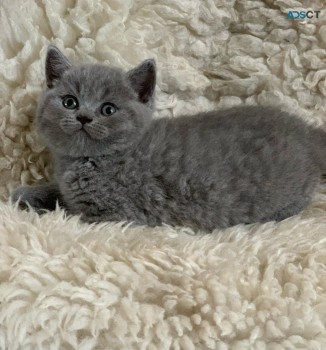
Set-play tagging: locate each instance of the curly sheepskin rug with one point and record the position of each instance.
(69, 285)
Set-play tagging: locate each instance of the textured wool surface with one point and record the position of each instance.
(69, 285)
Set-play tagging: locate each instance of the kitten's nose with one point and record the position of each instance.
(83, 119)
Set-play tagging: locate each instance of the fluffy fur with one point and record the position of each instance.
(67, 285)
(210, 170)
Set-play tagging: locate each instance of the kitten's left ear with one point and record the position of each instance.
(143, 80)
(55, 65)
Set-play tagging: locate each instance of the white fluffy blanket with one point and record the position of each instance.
(69, 285)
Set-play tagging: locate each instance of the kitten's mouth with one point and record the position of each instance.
(95, 132)
(84, 131)
(87, 132)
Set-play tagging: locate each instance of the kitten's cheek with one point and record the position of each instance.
(69, 127)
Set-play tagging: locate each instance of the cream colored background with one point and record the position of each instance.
(209, 53)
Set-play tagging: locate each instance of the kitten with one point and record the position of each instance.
(212, 170)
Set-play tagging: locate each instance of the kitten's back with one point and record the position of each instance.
(239, 165)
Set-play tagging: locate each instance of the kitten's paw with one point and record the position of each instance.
(20, 196)
(25, 196)
(74, 182)
(70, 179)
(90, 163)
(80, 176)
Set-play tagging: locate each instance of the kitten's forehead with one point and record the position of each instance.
(97, 81)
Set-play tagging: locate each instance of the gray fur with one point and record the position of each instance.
(211, 170)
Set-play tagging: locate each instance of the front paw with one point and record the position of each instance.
(25, 196)
(19, 195)
(90, 164)
(73, 181)
(79, 179)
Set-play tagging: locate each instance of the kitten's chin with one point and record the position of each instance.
(80, 144)
(85, 143)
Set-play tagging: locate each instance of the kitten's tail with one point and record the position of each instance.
(319, 146)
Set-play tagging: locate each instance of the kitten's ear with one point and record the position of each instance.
(143, 80)
(55, 64)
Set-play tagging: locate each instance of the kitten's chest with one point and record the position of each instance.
(98, 173)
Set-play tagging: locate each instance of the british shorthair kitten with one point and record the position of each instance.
(114, 162)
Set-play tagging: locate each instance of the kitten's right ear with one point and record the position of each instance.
(55, 64)
(143, 80)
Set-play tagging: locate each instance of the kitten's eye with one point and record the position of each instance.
(108, 109)
(70, 102)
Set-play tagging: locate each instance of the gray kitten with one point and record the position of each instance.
(114, 162)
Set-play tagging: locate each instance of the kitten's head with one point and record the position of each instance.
(91, 110)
